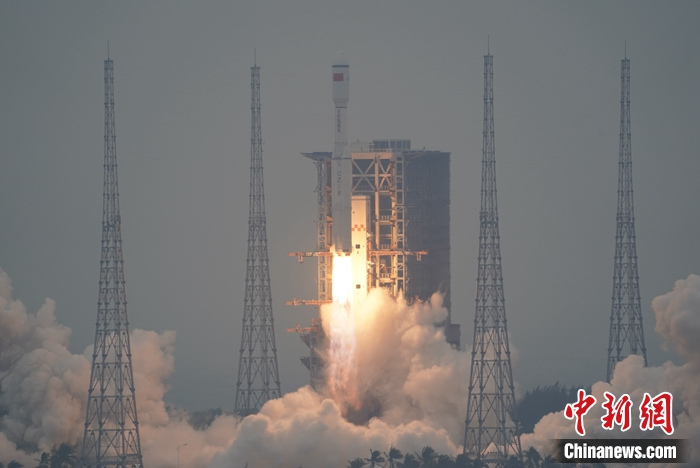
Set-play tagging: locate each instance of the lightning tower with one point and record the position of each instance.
(111, 436)
(626, 331)
(258, 375)
(490, 434)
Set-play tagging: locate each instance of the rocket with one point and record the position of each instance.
(350, 214)
(341, 165)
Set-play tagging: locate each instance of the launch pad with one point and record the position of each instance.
(388, 207)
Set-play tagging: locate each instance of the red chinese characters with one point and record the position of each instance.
(579, 409)
(656, 412)
(617, 413)
(653, 412)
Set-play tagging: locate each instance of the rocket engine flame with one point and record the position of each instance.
(342, 368)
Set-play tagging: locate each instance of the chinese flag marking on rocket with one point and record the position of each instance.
(337, 77)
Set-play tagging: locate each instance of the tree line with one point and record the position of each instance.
(429, 458)
(61, 457)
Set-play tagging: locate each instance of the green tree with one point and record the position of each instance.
(375, 458)
(63, 457)
(393, 456)
(541, 401)
(514, 462)
(15, 464)
(44, 461)
(356, 463)
(410, 461)
(445, 461)
(427, 457)
(462, 461)
(532, 457)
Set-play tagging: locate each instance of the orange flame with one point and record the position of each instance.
(342, 369)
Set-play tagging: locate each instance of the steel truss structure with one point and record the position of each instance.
(258, 373)
(409, 243)
(111, 436)
(626, 329)
(490, 431)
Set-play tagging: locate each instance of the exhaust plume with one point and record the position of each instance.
(410, 383)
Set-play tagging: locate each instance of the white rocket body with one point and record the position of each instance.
(341, 164)
(360, 222)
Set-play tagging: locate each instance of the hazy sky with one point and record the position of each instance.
(182, 91)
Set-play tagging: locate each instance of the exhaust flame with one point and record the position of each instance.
(342, 368)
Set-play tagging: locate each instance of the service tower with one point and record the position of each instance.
(386, 205)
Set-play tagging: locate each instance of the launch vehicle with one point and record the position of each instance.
(350, 213)
(341, 164)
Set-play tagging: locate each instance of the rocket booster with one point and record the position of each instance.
(341, 165)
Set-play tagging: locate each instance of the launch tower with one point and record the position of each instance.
(626, 331)
(399, 221)
(111, 436)
(258, 374)
(490, 434)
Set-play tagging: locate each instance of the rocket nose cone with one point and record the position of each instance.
(341, 60)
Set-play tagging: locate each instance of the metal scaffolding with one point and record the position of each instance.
(258, 374)
(409, 243)
(111, 436)
(490, 431)
(626, 330)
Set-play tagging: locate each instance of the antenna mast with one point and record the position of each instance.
(490, 433)
(626, 330)
(111, 436)
(258, 374)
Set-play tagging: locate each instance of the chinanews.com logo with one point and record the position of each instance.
(654, 412)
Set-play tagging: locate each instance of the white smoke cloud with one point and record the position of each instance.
(42, 382)
(678, 317)
(43, 390)
(678, 322)
(415, 382)
(413, 385)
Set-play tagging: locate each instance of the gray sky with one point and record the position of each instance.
(182, 90)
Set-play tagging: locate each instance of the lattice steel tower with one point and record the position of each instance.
(490, 434)
(258, 375)
(626, 331)
(111, 436)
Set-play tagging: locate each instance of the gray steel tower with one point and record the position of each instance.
(111, 436)
(258, 375)
(626, 331)
(490, 434)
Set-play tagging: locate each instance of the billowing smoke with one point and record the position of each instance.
(678, 322)
(43, 390)
(42, 383)
(411, 384)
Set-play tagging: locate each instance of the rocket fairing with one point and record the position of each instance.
(341, 165)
